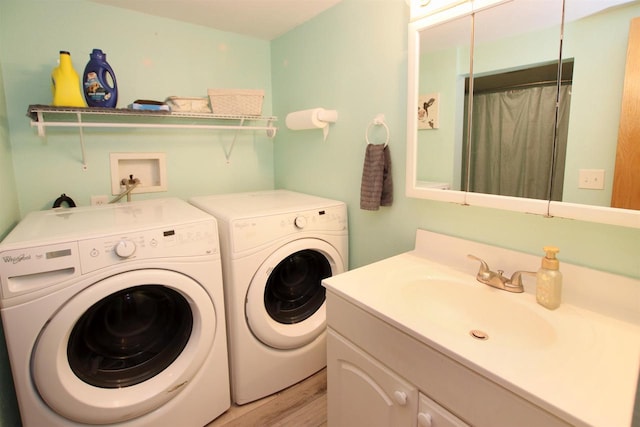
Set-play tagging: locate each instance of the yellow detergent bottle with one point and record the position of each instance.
(65, 84)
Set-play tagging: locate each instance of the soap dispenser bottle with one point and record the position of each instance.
(549, 280)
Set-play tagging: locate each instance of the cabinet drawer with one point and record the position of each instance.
(430, 414)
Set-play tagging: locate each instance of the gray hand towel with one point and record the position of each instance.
(376, 188)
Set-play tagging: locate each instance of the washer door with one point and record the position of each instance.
(285, 305)
(124, 346)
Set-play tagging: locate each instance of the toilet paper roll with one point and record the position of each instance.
(306, 119)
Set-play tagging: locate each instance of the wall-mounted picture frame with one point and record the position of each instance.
(428, 111)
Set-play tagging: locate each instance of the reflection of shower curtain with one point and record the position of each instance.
(512, 142)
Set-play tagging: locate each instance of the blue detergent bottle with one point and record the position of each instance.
(99, 82)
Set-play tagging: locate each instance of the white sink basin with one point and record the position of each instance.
(461, 308)
(462, 314)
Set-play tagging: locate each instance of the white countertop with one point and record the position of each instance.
(576, 363)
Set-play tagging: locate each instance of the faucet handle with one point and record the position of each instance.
(516, 279)
(483, 265)
(485, 272)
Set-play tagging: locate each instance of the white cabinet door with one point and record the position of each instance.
(362, 392)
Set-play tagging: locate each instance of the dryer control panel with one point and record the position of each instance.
(251, 233)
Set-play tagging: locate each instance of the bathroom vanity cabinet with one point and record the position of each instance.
(401, 347)
(379, 376)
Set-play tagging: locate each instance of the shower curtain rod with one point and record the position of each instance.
(524, 86)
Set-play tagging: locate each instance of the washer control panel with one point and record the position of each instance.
(30, 269)
(186, 240)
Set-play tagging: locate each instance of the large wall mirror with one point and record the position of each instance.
(483, 127)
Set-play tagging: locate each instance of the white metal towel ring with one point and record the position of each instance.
(379, 120)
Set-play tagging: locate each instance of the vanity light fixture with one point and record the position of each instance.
(424, 8)
(433, 12)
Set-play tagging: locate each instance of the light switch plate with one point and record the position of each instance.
(592, 179)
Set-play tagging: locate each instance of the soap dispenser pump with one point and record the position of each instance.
(549, 280)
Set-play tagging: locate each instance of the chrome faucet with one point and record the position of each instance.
(497, 280)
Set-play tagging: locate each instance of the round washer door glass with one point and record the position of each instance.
(285, 305)
(130, 336)
(124, 346)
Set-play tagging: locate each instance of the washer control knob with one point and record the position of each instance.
(301, 222)
(125, 248)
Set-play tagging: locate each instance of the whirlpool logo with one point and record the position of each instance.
(8, 259)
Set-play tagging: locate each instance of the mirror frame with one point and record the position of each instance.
(598, 214)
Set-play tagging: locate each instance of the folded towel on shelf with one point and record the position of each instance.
(376, 188)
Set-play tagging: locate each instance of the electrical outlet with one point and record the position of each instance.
(99, 200)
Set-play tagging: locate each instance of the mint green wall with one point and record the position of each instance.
(9, 215)
(359, 67)
(439, 150)
(152, 58)
(598, 77)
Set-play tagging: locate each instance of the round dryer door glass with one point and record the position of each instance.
(130, 336)
(293, 291)
(285, 306)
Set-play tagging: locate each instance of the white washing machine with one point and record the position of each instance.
(276, 247)
(114, 315)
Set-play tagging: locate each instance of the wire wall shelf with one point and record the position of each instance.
(43, 116)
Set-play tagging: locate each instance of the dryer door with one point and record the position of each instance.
(285, 305)
(124, 346)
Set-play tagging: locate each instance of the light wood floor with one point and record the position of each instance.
(301, 405)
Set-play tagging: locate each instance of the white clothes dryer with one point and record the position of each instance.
(114, 316)
(276, 247)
